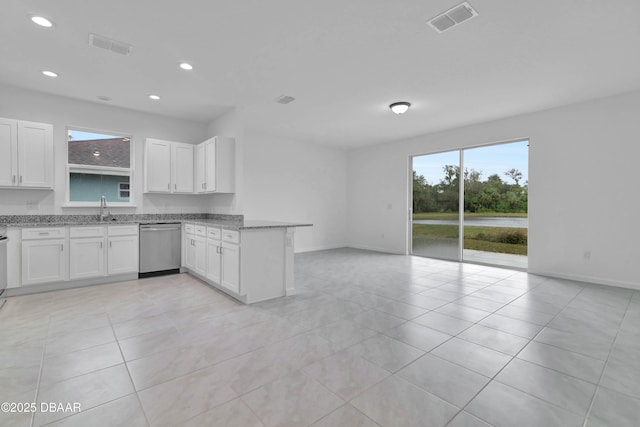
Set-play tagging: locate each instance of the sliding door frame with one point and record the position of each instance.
(460, 189)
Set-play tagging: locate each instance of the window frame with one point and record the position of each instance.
(100, 170)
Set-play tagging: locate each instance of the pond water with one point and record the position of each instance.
(484, 221)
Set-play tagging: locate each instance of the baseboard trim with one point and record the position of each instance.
(586, 279)
(319, 248)
(58, 286)
(376, 249)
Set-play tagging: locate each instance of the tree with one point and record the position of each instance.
(423, 194)
(514, 174)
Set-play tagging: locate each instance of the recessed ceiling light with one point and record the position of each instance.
(400, 107)
(42, 21)
(49, 73)
(154, 97)
(103, 98)
(186, 66)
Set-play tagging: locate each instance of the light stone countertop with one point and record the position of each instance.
(228, 224)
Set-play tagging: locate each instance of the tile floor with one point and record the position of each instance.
(371, 339)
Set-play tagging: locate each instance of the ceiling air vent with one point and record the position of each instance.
(452, 17)
(284, 99)
(109, 44)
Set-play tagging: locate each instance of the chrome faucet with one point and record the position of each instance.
(103, 205)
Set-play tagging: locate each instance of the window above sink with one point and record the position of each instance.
(99, 164)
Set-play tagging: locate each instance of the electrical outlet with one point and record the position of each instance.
(32, 205)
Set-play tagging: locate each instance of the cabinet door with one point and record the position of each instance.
(200, 260)
(86, 258)
(200, 168)
(214, 264)
(157, 166)
(190, 252)
(43, 261)
(122, 255)
(210, 165)
(35, 155)
(231, 267)
(182, 168)
(8, 152)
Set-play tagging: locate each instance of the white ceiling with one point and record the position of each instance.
(344, 61)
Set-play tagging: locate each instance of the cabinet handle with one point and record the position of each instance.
(44, 233)
(100, 245)
(61, 247)
(168, 186)
(221, 249)
(20, 179)
(110, 243)
(217, 249)
(175, 187)
(14, 179)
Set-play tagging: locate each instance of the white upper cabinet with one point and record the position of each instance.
(8, 152)
(157, 166)
(182, 168)
(168, 167)
(26, 154)
(215, 165)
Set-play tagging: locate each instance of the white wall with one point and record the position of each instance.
(230, 125)
(583, 188)
(16, 103)
(288, 180)
(283, 180)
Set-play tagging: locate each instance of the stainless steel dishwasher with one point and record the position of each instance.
(160, 249)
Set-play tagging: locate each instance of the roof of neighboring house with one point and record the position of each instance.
(112, 152)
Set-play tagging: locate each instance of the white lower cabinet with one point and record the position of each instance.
(43, 261)
(122, 251)
(214, 260)
(44, 255)
(223, 259)
(86, 258)
(195, 249)
(58, 254)
(252, 264)
(86, 252)
(230, 277)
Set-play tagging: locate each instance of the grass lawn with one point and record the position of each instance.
(454, 215)
(426, 232)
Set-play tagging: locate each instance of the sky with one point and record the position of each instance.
(79, 135)
(492, 159)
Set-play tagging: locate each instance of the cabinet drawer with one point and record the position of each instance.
(201, 230)
(231, 236)
(43, 233)
(91, 231)
(189, 228)
(123, 230)
(213, 233)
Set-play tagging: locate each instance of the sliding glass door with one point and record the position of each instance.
(436, 205)
(496, 204)
(480, 215)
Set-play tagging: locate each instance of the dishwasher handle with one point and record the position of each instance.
(158, 229)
